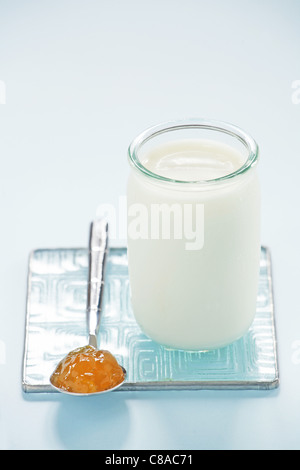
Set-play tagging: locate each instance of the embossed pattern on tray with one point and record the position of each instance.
(56, 324)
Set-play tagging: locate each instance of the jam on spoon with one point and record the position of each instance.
(88, 370)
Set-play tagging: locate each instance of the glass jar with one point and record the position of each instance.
(193, 233)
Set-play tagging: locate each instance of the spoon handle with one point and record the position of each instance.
(98, 246)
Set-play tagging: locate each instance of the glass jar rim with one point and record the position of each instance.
(214, 125)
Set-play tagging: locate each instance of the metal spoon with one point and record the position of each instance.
(98, 246)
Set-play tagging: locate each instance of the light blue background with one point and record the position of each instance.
(82, 79)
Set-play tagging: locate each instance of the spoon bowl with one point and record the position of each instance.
(66, 392)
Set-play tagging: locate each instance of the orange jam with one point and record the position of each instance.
(87, 370)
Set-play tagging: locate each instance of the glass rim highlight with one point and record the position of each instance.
(213, 125)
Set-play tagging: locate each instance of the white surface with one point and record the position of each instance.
(82, 78)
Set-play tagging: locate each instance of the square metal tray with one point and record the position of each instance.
(56, 324)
